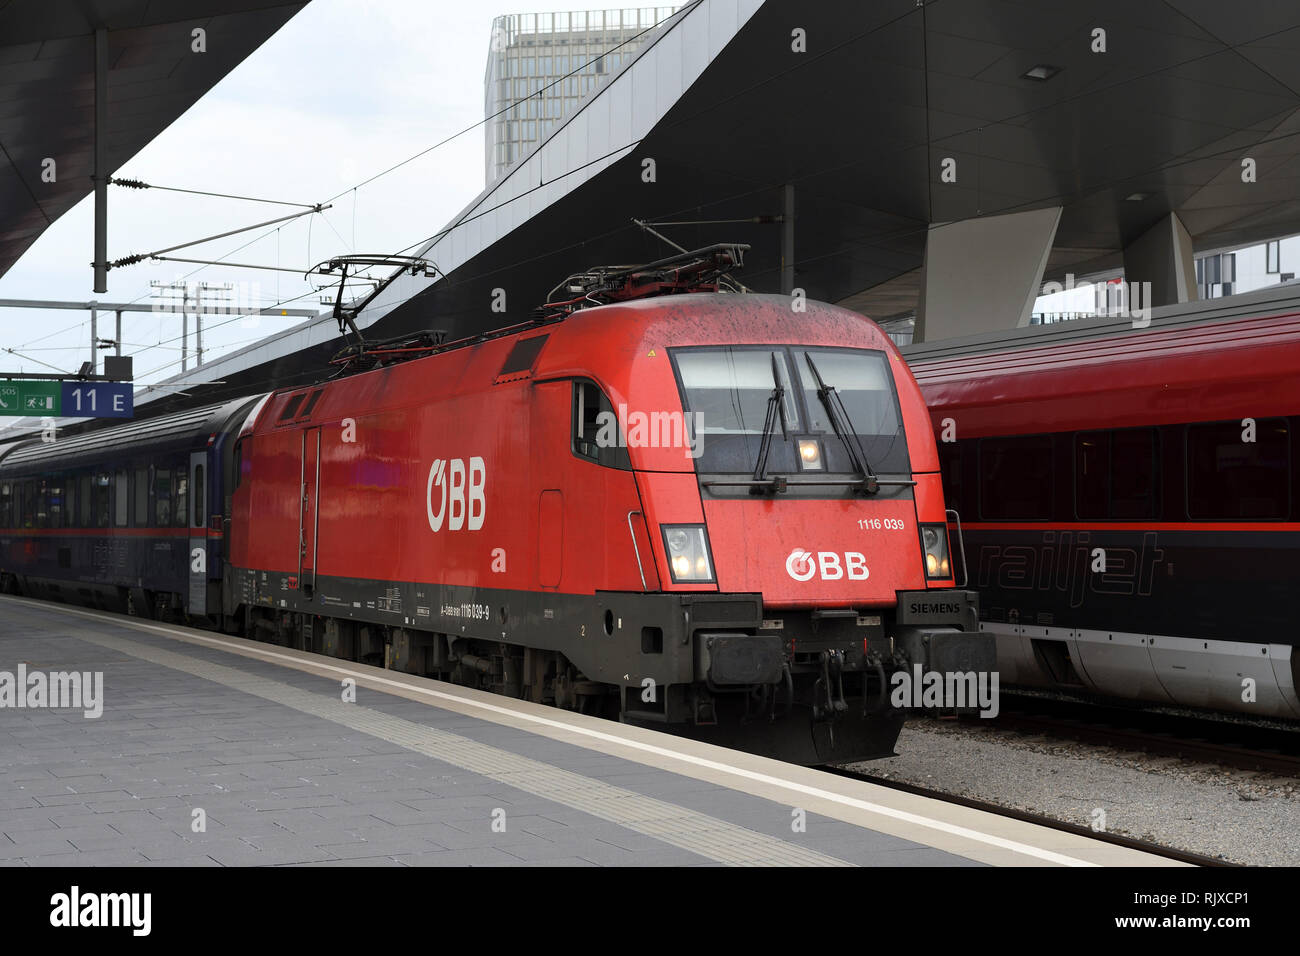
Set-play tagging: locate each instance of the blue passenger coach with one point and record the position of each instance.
(125, 519)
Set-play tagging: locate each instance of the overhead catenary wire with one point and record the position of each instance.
(137, 184)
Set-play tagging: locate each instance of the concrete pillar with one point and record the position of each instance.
(980, 275)
(1163, 256)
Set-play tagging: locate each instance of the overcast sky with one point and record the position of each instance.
(344, 90)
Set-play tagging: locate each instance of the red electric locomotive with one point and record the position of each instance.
(715, 513)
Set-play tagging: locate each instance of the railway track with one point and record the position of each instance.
(1182, 856)
(1230, 743)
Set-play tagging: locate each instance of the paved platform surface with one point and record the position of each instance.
(259, 743)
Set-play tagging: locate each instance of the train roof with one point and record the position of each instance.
(179, 430)
(1120, 376)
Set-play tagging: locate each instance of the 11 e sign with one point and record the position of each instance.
(97, 400)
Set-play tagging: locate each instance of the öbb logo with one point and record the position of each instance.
(802, 565)
(461, 502)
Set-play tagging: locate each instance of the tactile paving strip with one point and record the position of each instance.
(675, 825)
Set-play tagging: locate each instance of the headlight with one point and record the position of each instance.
(688, 553)
(810, 454)
(934, 539)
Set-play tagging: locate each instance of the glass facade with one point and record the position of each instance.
(541, 65)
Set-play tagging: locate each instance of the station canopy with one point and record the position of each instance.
(47, 91)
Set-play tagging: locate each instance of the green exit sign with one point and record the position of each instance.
(30, 398)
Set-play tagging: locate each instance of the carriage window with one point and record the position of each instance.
(1229, 476)
(121, 497)
(179, 513)
(85, 513)
(199, 518)
(596, 433)
(1016, 478)
(28, 504)
(42, 505)
(1133, 473)
(162, 498)
(57, 508)
(6, 505)
(102, 491)
(141, 498)
(1115, 473)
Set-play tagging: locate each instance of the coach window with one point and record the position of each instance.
(1092, 474)
(141, 517)
(41, 509)
(121, 498)
(102, 492)
(162, 498)
(597, 435)
(1133, 473)
(1016, 478)
(58, 512)
(198, 497)
(69, 483)
(179, 514)
(1114, 473)
(85, 509)
(6, 505)
(1231, 476)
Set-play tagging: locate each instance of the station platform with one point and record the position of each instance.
(258, 743)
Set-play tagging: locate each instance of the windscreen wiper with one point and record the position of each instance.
(843, 429)
(775, 410)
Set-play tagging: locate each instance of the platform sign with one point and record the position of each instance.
(29, 398)
(97, 400)
(38, 399)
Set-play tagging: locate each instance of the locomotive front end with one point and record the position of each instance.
(807, 536)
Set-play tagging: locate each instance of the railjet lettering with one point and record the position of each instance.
(932, 690)
(74, 909)
(63, 689)
(651, 430)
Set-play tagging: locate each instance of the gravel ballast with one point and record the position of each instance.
(1236, 815)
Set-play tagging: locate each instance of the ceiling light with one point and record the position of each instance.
(1040, 72)
(1136, 197)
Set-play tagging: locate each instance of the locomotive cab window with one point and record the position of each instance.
(730, 389)
(865, 390)
(596, 433)
(1230, 476)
